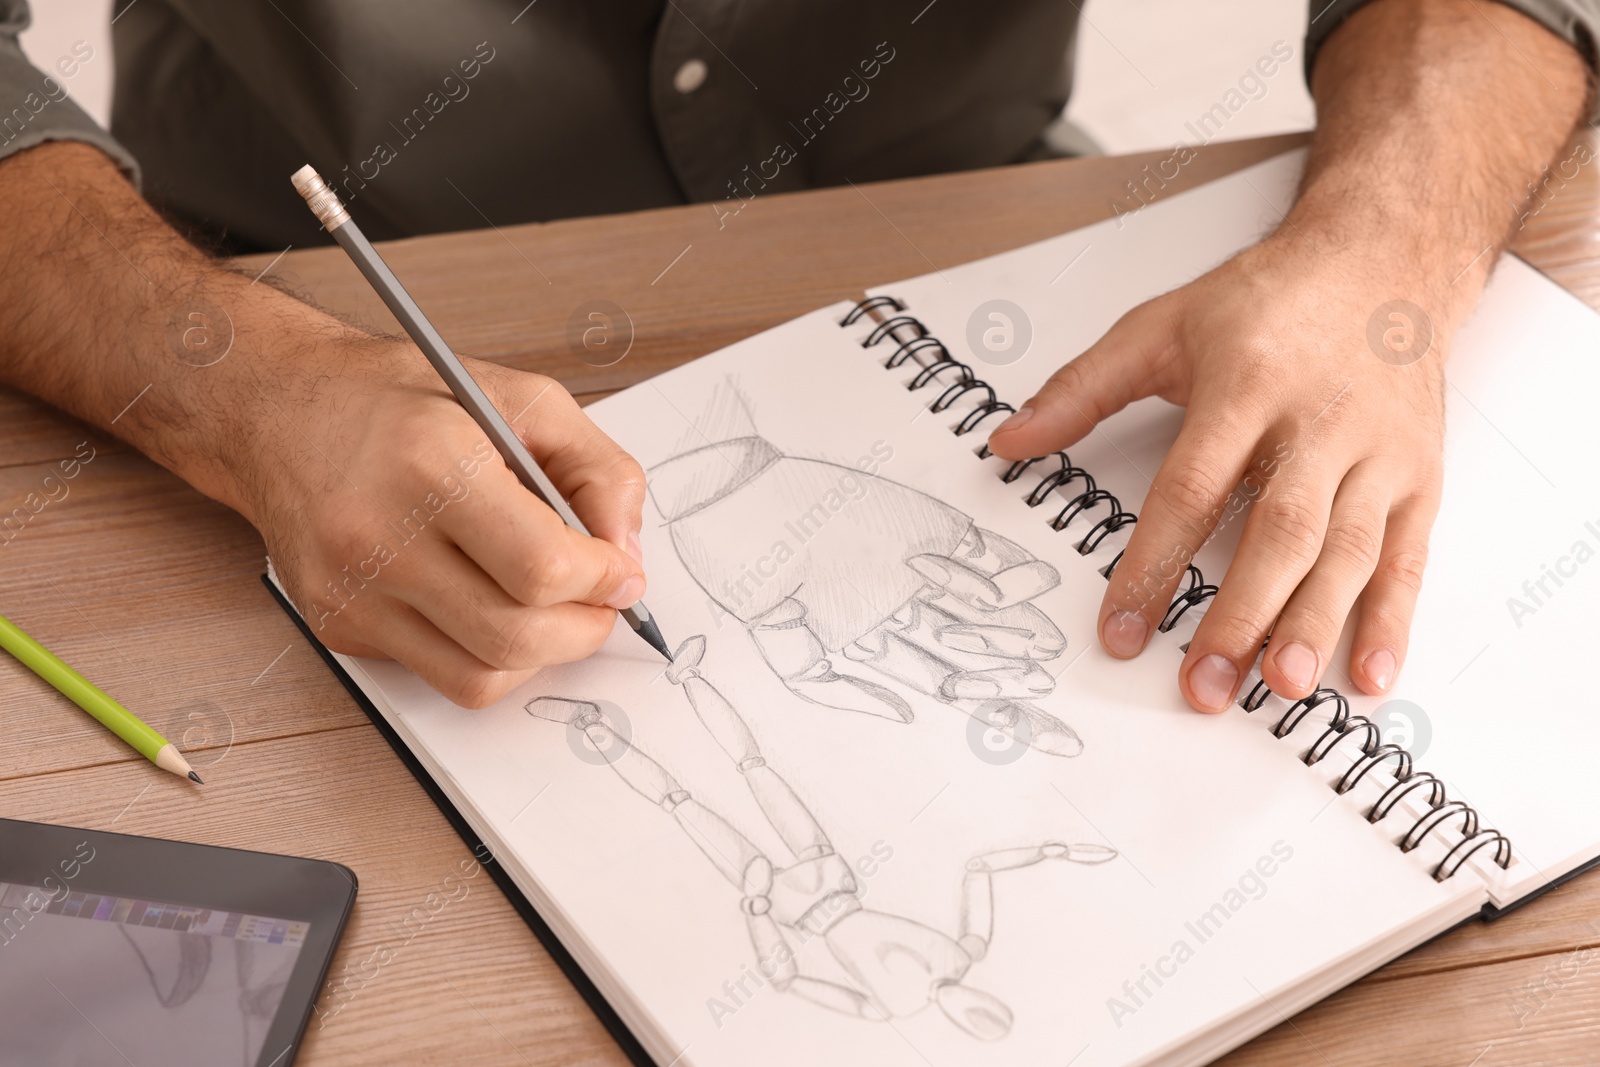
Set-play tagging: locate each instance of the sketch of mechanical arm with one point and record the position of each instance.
(892, 966)
(822, 561)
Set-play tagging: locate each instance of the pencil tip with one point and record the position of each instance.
(196, 778)
(652, 633)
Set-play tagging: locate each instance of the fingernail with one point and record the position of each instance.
(1023, 414)
(1298, 664)
(627, 594)
(1211, 680)
(634, 548)
(1124, 633)
(1380, 667)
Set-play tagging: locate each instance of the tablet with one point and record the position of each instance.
(118, 949)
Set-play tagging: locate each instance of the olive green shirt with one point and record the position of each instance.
(447, 116)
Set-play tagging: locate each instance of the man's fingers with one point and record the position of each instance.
(420, 646)
(536, 558)
(1383, 620)
(604, 484)
(1307, 630)
(1114, 372)
(473, 611)
(1281, 541)
(1183, 505)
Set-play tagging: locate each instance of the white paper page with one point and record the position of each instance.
(1498, 694)
(1187, 816)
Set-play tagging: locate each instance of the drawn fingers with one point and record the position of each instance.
(1010, 642)
(1016, 680)
(1026, 725)
(795, 653)
(988, 552)
(1085, 853)
(1025, 581)
(1019, 632)
(951, 576)
(1014, 584)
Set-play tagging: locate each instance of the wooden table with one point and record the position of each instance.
(133, 565)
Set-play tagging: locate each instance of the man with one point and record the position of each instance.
(1435, 119)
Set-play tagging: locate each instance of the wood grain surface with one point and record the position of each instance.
(153, 591)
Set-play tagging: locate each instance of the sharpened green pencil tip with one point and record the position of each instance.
(195, 777)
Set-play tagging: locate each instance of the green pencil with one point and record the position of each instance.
(84, 693)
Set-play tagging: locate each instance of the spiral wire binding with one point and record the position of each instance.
(937, 366)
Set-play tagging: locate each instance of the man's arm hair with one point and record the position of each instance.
(110, 314)
(1575, 21)
(1436, 120)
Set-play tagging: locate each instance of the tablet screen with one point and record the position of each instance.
(157, 981)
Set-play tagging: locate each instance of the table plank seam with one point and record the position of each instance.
(73, 769)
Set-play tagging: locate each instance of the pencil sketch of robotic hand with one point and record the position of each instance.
(847, 582)
(884, 965)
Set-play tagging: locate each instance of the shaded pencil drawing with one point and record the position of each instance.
(821, 562)
(889, 966)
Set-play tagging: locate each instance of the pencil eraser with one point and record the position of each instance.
(305, 178)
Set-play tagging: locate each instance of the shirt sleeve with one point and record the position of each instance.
(34, 105)
(1575, 21)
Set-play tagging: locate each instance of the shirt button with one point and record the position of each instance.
(690, 76)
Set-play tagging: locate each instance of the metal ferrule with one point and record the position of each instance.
(320, 197)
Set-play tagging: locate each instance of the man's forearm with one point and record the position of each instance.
(108, 313)
(1435, 120)
(343, 449)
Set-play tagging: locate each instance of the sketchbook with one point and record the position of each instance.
(891, 804)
